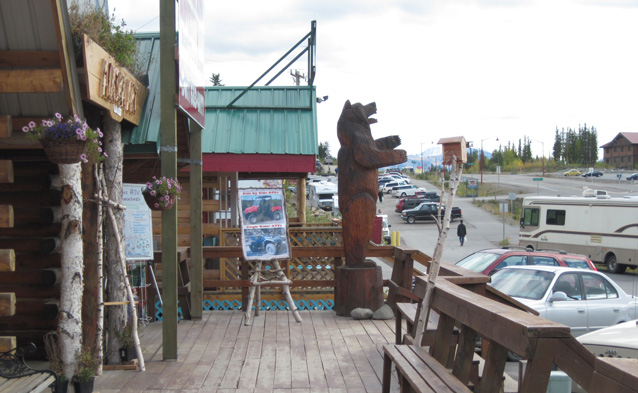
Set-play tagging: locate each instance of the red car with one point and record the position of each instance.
(492, 260)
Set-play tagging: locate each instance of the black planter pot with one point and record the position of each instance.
(60, 386)
(84, 387)
(128, 354)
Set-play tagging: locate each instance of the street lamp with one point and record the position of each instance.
(543, 150)
(482, 156)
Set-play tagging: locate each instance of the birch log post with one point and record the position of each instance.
(99, 239)
(110, 205)
(70, 314)
(116, 317)
(433, 271)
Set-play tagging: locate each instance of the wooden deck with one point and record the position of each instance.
(324, 353)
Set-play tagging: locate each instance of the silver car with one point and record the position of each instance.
(584, 300)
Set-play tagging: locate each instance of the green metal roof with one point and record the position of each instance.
(265, 120)
(145, 137)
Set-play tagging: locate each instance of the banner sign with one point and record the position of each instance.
(191, 59)
(264, 230)
(138, 224)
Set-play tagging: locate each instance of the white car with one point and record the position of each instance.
(584, 300)
(614, 341)
(406, 190)
(387, 187)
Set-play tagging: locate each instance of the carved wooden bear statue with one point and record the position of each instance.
(360, 156)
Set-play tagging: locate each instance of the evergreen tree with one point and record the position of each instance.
(216, 80)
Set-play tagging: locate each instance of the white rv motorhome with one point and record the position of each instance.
(320, 194)
(603, 228)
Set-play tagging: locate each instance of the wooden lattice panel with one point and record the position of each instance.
(320, 268)
(298, 237)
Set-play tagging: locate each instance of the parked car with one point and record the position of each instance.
(584, 300)
(328, 161)
(617, 341)
(410, 202)
(387, 187)
(572, 172)
(406, 190)
(427, 211)
(633, 176)
(593, 174)
(491, 260)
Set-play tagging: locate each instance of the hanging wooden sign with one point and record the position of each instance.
(110, 85)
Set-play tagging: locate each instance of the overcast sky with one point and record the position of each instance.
(482, 69)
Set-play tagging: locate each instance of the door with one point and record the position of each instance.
(603, 303)
(571, 312)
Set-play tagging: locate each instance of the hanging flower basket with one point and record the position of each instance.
(155, 203)
(161, 193)
(67, 142)
(63, 151)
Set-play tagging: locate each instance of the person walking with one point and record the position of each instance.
(380, 194)
(461, 231)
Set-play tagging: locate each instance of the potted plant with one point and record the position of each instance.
(67, 142)
(85, 373)
(61, 383)
(127, 345)
(161, 193)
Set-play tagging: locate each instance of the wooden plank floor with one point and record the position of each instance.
(324, 353)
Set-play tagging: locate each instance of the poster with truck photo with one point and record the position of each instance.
(263, 224)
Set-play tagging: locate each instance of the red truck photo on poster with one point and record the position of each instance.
(263, 224)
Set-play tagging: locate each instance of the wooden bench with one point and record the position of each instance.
(447, 367)
(16, 376)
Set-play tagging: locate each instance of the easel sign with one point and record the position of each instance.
(138, 224)
(263, 224)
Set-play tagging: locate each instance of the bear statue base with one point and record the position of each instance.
(358, 287)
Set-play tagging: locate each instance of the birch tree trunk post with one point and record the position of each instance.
(433, 271)
(116, 316)
(99, 178)
(70, 314)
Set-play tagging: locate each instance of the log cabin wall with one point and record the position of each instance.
(29, 250)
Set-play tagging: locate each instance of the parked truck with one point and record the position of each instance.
(428, 211)
(320, 194)
(603, 228)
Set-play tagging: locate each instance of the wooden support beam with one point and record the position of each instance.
(6, 128)
(6, 171)
(7, 304)
(6, 216)
(8, 343)
(7, 260)
(33, 230)
(29, 59)
(31, 81)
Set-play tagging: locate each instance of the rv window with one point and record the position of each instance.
(530, 217)
(555, 217)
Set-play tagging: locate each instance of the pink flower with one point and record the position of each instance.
(153, 192)
(149, 185)
(31, 125)
(83, 158)
(100, 133)
(25, 129)
(78, 131)
(105, 155)
(156, 205)
(59, 116)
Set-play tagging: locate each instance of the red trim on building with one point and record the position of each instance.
(215, 162)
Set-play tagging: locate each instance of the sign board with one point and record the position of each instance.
(537, 179)
(512, 196)
(138, 224)
(191, 59)
(110, 85)
(264, 234)
(503, 207)
(472, 183)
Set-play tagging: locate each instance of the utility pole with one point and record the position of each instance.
(296, 76)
